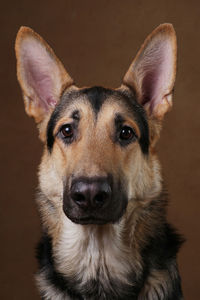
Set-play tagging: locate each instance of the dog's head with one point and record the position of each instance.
(99, 142)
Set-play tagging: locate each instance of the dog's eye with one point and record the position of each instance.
(127, 134)
(67, 131)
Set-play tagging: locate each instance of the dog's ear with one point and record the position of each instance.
(41, 75)
(152, 72)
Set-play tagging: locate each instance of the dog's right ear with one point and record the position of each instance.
(41, 75)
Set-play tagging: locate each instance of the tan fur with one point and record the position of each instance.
(153, 289)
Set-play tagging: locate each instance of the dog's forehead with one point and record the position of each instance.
(96, 98)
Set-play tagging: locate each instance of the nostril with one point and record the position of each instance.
(101, 198)
(79, 198)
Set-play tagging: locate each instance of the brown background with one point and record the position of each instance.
(96, 40)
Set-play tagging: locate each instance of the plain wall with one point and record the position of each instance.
(96, 41)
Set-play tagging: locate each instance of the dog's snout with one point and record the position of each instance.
(91, 194)
(94, 200)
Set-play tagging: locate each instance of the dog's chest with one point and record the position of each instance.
(94, 257)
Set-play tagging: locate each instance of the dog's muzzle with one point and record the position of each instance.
(93, 201)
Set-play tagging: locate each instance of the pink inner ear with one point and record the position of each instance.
(39, 71)
(157, 70)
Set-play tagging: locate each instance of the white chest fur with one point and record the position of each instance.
(88, 251)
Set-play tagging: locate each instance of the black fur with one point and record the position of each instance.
(140, 117)
(50, 128)
(160, 253)
(46, 262)
(65, 99)
(162, 247)
(96, 96)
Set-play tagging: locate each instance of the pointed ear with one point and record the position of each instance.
(41, 75)
(152, 73)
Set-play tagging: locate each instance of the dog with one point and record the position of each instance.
(101, 197)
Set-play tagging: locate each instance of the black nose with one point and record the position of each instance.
(91, 193)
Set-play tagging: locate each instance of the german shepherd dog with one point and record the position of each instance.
(101, 197)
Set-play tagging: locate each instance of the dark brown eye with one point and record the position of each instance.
(67, 131)
(126, 133)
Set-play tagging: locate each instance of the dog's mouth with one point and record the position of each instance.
(95, 219)
(86, 219)
(89, 220)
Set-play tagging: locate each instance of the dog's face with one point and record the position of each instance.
(94, 137)
(99, 143)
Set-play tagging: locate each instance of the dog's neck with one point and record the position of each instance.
(100, 249)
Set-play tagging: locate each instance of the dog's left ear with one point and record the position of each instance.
(152, 73)
(41, 75)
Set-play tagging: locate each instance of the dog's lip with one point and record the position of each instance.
(88, 220)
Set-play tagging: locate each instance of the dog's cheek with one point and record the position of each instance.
(143, 176)
(133, 171)
(50, 179)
